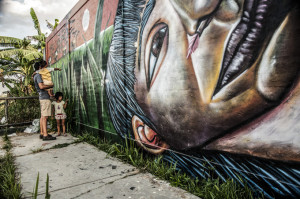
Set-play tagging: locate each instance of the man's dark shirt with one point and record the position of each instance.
(43, 94)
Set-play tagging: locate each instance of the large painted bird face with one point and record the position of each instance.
(208, 66)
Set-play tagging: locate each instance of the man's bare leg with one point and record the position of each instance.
(45, 126)
(41, 126)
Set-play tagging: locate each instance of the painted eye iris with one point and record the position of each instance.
(158, 41)
(157, 46)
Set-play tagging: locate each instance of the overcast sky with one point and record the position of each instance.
(15, 19)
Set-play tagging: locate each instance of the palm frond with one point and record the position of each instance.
(25, 43)
(49, 25)
(31, 47)
(9, 41)
(9, 53)
(4, 62)
(35, 21)
(55, 24)
(36, 46)
(8, 60)
(8, 48)
(33, 55)
(13, 72)
(7, 45)
(27, 54)
(38, 38)
(7, 85)
(10, 66)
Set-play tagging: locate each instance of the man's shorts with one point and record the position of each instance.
(60, 116)
(45, 108)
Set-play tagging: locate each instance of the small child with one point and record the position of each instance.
(60, 114)
(45, 72)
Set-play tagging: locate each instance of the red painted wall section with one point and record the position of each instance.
(77, 27)
(58, 46)
(82, 24)
(109, 9)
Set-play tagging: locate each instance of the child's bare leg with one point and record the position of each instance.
(58, 127)
(63, 126)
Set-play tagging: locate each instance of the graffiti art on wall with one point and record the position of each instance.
(196, 71)
(194, 77)
(217, 81)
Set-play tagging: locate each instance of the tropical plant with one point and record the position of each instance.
(10, 186)
(51, 26)
(17, 57)
(11, 47)
(40, 38)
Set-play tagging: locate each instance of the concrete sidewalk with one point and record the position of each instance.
(82, 171)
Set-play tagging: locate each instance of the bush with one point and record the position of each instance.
(21, 110)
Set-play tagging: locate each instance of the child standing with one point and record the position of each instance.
(60, 114)
(45, 72)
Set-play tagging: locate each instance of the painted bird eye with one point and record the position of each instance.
(155, 51)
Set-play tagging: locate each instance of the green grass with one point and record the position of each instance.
(2, 109)
(35, 192)
(10, 186)
(132, 154)
(47, 188)
(36, 189)
(40, 149)
(7, 146)
(58, 146)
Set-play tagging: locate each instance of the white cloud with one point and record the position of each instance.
(15, 18)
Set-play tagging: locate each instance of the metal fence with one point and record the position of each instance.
(18, 111)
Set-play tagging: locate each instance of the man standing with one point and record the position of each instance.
(45, 102)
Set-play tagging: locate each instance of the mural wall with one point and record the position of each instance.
(212, 85)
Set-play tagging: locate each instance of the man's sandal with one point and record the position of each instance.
(49, 137)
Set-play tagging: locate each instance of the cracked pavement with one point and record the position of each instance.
(80, 170)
